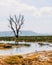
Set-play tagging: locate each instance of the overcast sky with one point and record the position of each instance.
(37, 13)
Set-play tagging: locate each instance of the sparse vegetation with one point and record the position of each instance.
(6, 46)
(24, 44)
(42, 44)
(29, 38)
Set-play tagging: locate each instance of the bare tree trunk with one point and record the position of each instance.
(17, 36)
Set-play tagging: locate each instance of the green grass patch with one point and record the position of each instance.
(28, 38)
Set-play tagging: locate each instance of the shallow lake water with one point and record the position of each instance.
(34, 46)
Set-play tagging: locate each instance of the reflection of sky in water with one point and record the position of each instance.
(22, 50)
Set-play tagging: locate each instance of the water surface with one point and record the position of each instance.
(23, 50)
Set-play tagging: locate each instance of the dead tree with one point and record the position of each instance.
(16, 23)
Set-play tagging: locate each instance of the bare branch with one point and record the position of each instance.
(19, 19)
(18, 22)
(10, 21)
(22, 21)
(15, 18)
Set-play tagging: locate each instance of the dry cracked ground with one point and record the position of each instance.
(38, 58)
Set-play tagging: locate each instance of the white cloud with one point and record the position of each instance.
(42, 11)
(8, 7)
(19, 7)
(46, 10)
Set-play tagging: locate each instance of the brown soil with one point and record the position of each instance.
(38, 58)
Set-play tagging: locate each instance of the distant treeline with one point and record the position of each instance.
(29, 38)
